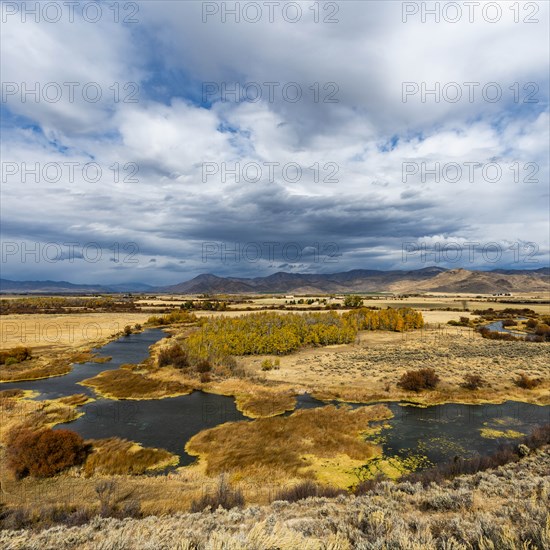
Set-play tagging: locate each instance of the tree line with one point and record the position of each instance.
(279, 334)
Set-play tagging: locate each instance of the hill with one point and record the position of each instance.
(429, 279)
(63, 287)
(502, 508)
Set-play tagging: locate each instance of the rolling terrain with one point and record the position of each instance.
(428, 279)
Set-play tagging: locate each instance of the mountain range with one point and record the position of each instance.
(64, 287)
(428, 279)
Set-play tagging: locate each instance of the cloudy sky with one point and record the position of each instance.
(153, 141)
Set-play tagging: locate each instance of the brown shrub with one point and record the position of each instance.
(543, 330)
(15, 355)
(527, 383)
(45, 452)
(175, 356)
(203, 366)
(367, 485)
(225, 496)
(307, 489)
(493, 335)
(472, 382)
(417, 380)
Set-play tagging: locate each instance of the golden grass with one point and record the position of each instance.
(47, 366)
(265, 402)
(60, 332)
(114, 456)
(16, 393)
(19, 411)
(491, 433)
(292, 444)
(369, 370)
(126, 384)
(57, 341)
(34, 369)
(253, 399)
(76, 399)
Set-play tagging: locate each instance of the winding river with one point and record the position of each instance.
(438, 433)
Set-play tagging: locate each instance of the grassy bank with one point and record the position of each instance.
(126, 384)
(309, 443)
(504, 508)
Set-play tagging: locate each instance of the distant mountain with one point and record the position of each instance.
(64, 287)
(129, 287)
(540, 271)
(480, 282)
(358, 280)
(429, 279)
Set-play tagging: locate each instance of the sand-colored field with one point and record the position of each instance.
(56, 341)
(370, 369)
(50, 332)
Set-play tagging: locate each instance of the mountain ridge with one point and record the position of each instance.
(433, 278)
(427, 279)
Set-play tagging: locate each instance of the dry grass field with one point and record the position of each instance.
(369, 370)
(56, 341)
(49, 332)
(505, 509)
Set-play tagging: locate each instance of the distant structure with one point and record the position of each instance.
(502, 294)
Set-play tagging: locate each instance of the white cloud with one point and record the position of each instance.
(169, 210)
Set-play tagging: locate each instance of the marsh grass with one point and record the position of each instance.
(284, 443)
(254, 397)
(19, 412)
(265, 402)
(45, 367)
(34, 370)
(126, 384)
(76, 399)
(7, 394)
(114, 456)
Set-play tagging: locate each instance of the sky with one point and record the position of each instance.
(154, 141)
